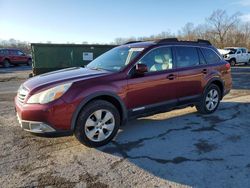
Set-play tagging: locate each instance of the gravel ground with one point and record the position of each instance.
(176, 149)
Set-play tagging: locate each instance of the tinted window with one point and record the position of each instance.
(158, 59)
(210, 56)
(3, 52)
(186, 56)
(12, 52)
(243, 50)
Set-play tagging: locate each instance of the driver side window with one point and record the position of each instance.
(158, 59)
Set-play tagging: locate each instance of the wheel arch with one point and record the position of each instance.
(7, 59)
(217, 81)
(107, 96)
(233, 58)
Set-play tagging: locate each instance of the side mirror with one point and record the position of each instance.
(140, 69)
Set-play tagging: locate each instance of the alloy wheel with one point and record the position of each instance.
(99, 125)
(212, 99)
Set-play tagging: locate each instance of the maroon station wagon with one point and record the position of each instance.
(10, 56)
(133, 80)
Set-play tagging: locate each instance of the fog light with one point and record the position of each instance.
(40, 127)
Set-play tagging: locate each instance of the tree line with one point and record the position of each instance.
(12, 43)
(220, 28)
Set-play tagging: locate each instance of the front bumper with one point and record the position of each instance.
(35, 126)
(49, 118)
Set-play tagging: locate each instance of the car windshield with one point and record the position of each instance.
(232, 50)
(115, 59)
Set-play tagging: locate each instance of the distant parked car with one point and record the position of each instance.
(13, 57)
(237, 55)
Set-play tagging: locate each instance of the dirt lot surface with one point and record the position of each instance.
(178, 149)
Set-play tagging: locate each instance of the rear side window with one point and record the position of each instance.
(210, 56)
(186, 56)
(12, 52)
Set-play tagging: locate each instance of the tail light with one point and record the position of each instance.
(228, 67)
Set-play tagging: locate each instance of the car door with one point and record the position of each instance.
(191, 72)
(239, 56)
(21, 58)
(244, 55)
(12, 56)
(156, 88)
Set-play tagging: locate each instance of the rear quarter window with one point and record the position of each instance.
(210, 56)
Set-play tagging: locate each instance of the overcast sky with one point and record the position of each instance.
(102, 21)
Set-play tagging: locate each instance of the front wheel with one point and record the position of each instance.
(6, 63)
(97, 123)
(29, 62)
(232, 62)
(210, 100)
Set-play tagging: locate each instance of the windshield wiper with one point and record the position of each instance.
(95, 68)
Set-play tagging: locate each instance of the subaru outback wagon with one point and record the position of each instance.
(133, 80)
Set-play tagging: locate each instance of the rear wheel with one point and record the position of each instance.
(232, 62)
(210, 100)
(97, 123)
(6, 63)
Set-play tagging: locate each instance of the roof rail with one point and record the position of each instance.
(166, 40)
(204, 41)
(130, 42)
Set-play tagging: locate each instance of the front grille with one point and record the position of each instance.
(21, 94)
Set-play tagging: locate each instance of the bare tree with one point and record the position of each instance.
(188, 32)
(220, 24)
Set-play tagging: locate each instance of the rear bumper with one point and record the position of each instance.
(50, 118)
(226, 92)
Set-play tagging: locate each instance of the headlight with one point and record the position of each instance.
(49, 95)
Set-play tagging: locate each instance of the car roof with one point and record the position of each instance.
(9, 49)
(167, 41)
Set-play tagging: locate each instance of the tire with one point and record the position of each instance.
(29, 62)
(6, 63)
(97, 123)
(210, 100)
(232, 62)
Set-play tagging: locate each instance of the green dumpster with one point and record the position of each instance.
(51, 57)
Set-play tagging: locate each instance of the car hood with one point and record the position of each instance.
(223, 52)
(62, 76)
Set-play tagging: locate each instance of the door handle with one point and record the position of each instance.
(171, 77)
(204, 71)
